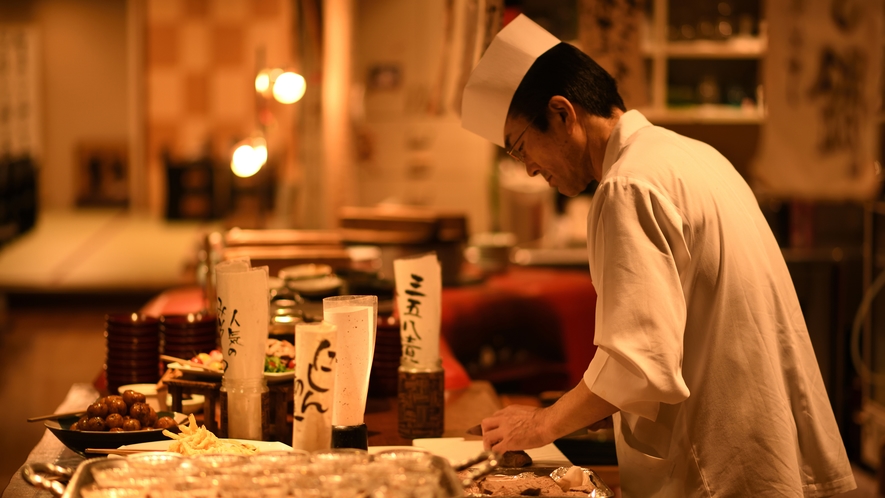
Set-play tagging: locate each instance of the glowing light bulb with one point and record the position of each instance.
(245, 161)
(289, 87)
(262, 82)
(260, 151)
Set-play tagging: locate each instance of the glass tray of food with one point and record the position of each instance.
(343, 472)
(197, 463)
(293, 473)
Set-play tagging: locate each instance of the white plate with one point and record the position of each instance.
(196, 372)
(263, 446)
(188, 406)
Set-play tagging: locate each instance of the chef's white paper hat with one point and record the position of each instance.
(494, 80)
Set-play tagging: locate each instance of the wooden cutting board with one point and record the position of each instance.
(457, 449)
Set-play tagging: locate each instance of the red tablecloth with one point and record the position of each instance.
(551, 310)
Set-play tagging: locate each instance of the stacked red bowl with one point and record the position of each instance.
(384, 376)
(133, 349)
(185, 336)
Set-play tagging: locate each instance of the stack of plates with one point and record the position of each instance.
(384, 375)
(185, 336)
(133, 349)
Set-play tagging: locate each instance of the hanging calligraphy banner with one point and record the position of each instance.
(822, 70)
(609, 31)
(419, 299)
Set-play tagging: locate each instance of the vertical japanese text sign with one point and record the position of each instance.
(314, 390)
(242, 310)
(419, 299)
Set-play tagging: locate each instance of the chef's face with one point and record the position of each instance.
(554, 154)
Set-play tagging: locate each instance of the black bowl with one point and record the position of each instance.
(79, 441)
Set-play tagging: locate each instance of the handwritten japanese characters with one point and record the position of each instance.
(242, 311)
(319, 380)
(411, 337)
(822, 69)
(227, 330)
(609, 32)
(419, 291)
(316, 360)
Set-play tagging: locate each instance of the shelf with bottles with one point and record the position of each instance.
(744, 47)
(704, 114)
(703, 58)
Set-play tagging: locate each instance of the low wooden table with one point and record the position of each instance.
(178, 388)
(277, 425)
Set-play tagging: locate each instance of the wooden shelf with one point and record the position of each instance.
(704, 114)
(683, 62)
(734, 48)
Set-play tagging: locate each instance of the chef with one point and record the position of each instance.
(703, 359)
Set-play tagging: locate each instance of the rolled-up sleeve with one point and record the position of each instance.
(635, 237)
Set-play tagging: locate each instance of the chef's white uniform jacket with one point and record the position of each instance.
(702, 344)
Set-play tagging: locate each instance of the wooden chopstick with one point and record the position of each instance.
(56, 416)
(111, 451)
(189, 363)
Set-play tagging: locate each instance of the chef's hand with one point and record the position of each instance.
(524, 427)
(516, 427)
(606, 423)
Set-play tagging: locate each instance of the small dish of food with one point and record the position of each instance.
(114, 421)
(194, 439)
(279, 363)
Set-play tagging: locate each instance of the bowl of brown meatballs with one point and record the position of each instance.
(113, 421)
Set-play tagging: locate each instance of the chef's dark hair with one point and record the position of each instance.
(564, 70)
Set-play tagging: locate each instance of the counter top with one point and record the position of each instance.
(464, 409)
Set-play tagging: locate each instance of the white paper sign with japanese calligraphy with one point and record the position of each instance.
(316, 360)
(419, 299)
(242, 311)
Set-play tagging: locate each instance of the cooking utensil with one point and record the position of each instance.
(491, 463)
(56, 416)
(476, 430)
(46, 476)
(111, 451)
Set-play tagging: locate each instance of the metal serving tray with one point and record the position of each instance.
(52, 477)
(602, 489)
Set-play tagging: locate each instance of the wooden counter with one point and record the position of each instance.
(464, 409)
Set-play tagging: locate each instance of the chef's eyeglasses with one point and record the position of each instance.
(512, 151)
